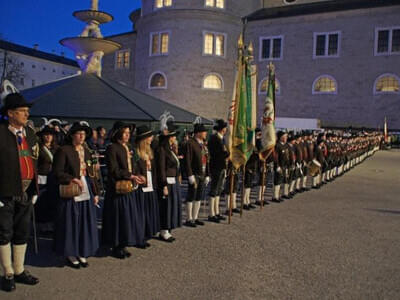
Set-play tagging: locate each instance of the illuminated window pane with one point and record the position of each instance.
(159, 3)
(325, 85)
(164, 43)
(212, 82)
(155, 44)
(210, 3)
(387, 84)
(157, 81)
(264, 87)
(219, 45)
(208, 43)
(167, 2)
(219, 3)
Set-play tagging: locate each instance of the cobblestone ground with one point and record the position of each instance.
(339, 242)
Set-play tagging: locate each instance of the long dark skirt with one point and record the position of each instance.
(151, 213)
(46, 205)
(76, 231)
(171, 208)
(123, 220)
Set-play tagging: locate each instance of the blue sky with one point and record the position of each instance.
(45, 22)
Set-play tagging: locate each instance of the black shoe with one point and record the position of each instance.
(315, 187)
(246, 207)
(83, 264)
(8, 283)
(200, 223)
(190, 224)
(258, 203)
(285, 197)
(126, 252)
(276, 200)
(221, 218)
(266, 202)
(72, 265)
(26, 278)
(236, 210)
(291, 195)
(251, 206)
(168, 240)
(213, 219)
(118, 252)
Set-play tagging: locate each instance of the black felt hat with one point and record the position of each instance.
(13, 101)
(220, 124)
(143, 132)
(199, 128)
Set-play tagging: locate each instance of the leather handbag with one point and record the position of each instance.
(70, 190)
(124, 186)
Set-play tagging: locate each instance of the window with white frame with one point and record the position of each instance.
(326, 44)
(214, 43)
(122, 59)
(387, 41)
(162, 3)
(158, 80)
(271, 47)
(324, 84)
(159, 43)
(215, 3)
(387, 84)
(263, 87)
(213, 81)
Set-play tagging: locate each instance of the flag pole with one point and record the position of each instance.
(231, 176)
(243, 190)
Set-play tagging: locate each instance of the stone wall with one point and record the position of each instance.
(355, 70)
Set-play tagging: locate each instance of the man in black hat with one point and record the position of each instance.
(18, 181)
(281, 167)
(197, 167)
(218, 163)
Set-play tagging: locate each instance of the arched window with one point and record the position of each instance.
(387, 84)
(158, 80)
(213, 81)
(324, 84)
(263, 87)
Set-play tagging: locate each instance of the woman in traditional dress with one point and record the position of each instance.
(170, 201)
(123, 217)
(45, 207)
(146, 167)
(76, 234)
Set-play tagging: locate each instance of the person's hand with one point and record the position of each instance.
(165, 191)
(34, 199)
(138, 179)
(207, 180)
(78, 182)
(96, 200)
(192, 179)
(279, 170)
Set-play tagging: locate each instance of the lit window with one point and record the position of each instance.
(122, 59)
(387, 41)
(214, 43)
(162, 3)
(215, 3)
(158, 81)
(271, 48)
(387, 83)
(325, 85)
(326, 44)
(213, 82)
(264, 86)
(159, 43)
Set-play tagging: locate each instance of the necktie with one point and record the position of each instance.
(19, 137)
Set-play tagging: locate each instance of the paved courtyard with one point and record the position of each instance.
(339, 242)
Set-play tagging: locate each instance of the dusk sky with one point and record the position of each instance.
(45, 22)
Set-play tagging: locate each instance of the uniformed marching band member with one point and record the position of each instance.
(218, 164)
(298, 145)
(263, 166)
(123, 215)
(76, 236)
(198, 172)
(229, 178)
(293, 171)
(170, 199)
(147, 168)
(320, 151)
(251, 169)
(18, 181)
(281, 167)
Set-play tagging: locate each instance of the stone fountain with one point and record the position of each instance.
(90, 46)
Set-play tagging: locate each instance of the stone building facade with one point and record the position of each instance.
(326, 54)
